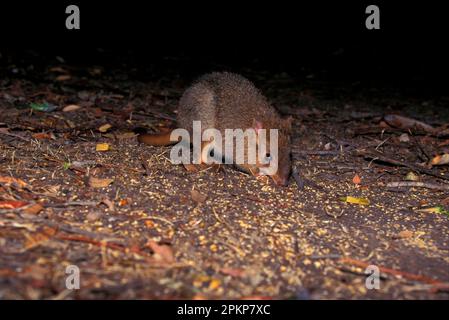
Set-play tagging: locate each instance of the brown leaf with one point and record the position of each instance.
(33, 209)
(12, 204)
(63, 77)
(197, 196)
(440, 159)
(149, 223)
(13, 181)
(105, 127)
(356, 179)
(406, 123)
(190, 167)
(162, 250)
(233, 272)
(99, 183)
(57, 69)
(71, 107)
(405, 234)
(38, 238)
(43, 135)
(123, 202)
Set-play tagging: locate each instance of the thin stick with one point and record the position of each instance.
(406, 275)
(72, 203)
(377, 156)
(399, 184)
(316, 152)
(15, 136)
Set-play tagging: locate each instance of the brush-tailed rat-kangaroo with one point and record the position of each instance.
(224, 100)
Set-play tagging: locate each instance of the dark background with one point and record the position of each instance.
(326, 38)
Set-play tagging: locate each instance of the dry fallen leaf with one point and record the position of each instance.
(214, 284)
(149, 224)
(201, 280)
(102, 147)
(38, 238)
(13, 181)
(63, 77)
(437, 209)
(233, 272)
(57, 69)
(405, 234)
(404, 138)
(356, 179)
(43, 135)
(71, 107)
(190, 167)
(12, 204)
(105, 127)
(440, 160)
(349, 199)
(99, 183)
(197, 196)
(123, 202)
(406, 123)
(33, 209)
(411, 177)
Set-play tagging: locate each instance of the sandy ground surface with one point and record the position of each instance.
(137, 226)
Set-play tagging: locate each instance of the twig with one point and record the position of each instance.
(225, 223)
(380, 144)
(161, 219)
(15, 136)
(70, 229)
(100, 243)
(377, 156)
(325, 256)
(418, 184)
(403, 274)
(72, 203)
(69, 233)
(317, 152)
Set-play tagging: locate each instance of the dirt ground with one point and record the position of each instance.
(77, 189)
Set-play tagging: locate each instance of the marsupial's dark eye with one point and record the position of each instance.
(268, 156)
